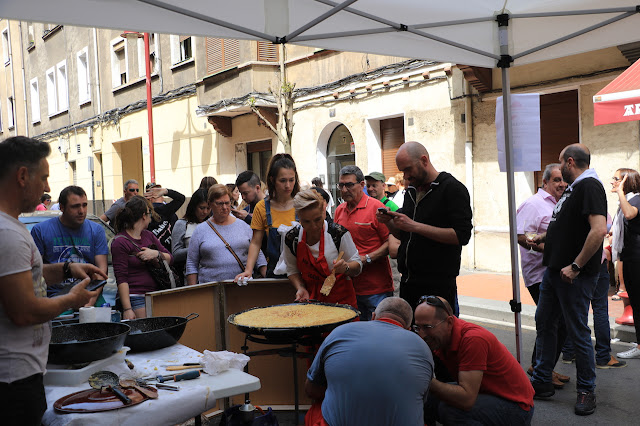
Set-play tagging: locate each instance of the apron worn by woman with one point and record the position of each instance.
(315, 271)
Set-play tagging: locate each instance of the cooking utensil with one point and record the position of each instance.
(109, 380)
(149, 334)
(293, 332)
(183, 367)
(81, 343)
(331, 279)
(176, 377)
(131, 383)
(143, 383)
(93, 400)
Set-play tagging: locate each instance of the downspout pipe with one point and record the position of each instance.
(24, 83)
(468, 161)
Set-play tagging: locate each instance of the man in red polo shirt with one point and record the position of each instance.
(489, 383)
(358, 215)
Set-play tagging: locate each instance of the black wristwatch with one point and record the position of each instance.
(575, 267)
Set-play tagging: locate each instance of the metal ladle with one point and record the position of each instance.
(107, 379)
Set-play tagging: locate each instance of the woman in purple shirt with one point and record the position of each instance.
(131, 250)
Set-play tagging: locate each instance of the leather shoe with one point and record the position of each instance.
(561, 377)
(543, 390)
(556, 382)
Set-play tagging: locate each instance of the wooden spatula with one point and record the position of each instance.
(331, 279)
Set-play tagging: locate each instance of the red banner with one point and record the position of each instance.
(617, 111)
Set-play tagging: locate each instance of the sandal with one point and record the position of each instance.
(616, 296)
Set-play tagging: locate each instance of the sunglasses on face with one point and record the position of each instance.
(349, 185)
(435, 301)
(425, 327)
(133, 190)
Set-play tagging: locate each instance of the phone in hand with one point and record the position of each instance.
(95, 285)
(383, 210)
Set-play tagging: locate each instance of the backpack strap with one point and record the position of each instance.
(267, 208)
(291, 239)
(336, 231)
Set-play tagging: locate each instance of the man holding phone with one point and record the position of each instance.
(25, 311)
(72, 238)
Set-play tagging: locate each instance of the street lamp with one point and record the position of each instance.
(147, 67)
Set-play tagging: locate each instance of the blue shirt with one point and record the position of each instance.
(376, 373)
(58, 244)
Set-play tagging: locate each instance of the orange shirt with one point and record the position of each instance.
(368, 234)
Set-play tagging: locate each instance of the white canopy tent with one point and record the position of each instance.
(488, 33)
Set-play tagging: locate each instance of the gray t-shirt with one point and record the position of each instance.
(23, 350)
(115, 208)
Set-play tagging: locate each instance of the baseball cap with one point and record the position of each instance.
(376, 176)
(391, 181)
(151, 185)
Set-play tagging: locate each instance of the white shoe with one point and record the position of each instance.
(631, 353)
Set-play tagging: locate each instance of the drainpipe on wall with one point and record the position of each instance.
(24, 83)
(99, 111)
(13, 83)
(468, 162)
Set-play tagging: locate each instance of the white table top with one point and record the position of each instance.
(195, 396)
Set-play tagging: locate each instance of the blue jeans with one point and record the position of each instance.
(488, 410)
(368, 304)
(601, 327)
(571, 300)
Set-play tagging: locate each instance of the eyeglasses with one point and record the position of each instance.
(425, 327)
(133, 190)
(222, 203)
(349, 185)
(435, 301)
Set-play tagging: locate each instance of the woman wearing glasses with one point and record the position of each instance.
(625, 243)
(275, 210)
(131, 250)
(219, 246)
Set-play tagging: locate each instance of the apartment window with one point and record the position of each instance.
(5, 46)
(52, 95)
(267, 51)
(11, 113)
(181, 48)
(31, 36)
(119, 61)
(63, 86)
(49, 28)
(84, 86)
(153, 48)
(74, 172)
(221, 54)
(35, 101)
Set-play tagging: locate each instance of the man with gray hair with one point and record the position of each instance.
(374, 372)
(533, 217)
(131, 188)
(358, 215)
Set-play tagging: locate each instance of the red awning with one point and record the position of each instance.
(619, 101)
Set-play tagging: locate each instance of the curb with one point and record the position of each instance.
(496, 310)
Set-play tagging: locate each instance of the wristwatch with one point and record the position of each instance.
(66, 269)
(575, 267)
(368, 258)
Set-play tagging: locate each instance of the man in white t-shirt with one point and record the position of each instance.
(25, 310)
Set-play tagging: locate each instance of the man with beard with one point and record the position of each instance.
(25, 311)
(572, 254)
(433, 225)
(249, 186)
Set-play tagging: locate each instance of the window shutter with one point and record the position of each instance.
(183, 38)
(214, 54)
(231, 53)
(392, 132)
(267, 51)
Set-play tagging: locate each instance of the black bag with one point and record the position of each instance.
(233, 417)
(164, 275)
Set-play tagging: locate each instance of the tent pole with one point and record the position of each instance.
(504, 64)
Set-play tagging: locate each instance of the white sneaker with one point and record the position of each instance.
(631, 353)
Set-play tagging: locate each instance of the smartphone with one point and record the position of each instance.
(383, 210)
(95, 284)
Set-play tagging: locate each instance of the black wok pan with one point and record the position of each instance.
(149, 334)
(82, 343)
(295, 332)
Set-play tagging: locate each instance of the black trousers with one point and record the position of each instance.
(23, 402)
(444, 287)
(631, 274)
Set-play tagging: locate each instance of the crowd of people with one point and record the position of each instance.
(412, 350)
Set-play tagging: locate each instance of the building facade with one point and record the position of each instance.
(83, 91)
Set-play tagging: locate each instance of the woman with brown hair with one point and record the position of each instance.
(131, 250)
(275, 210)
(219, 246)
(625, 242)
